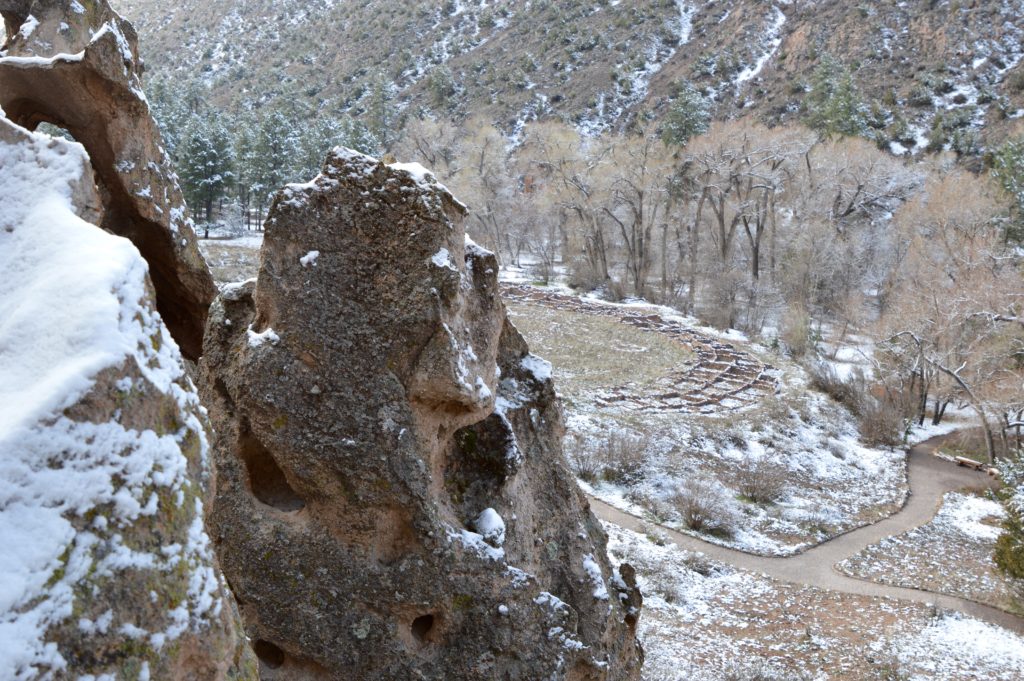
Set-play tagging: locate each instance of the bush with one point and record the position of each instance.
(622, 457)
(796, 332)
(582, 460)
(583, 276)
(825, 379)
(760, 481)
(705, 507)
(619, 459)
(882, 420)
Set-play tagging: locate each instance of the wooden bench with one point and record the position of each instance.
(970, 463)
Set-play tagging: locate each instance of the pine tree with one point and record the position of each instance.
(834, 106)
(206, 165)
(276, 157)
(383, 118)
(1008, 170)
(688, 116)
(246, 165)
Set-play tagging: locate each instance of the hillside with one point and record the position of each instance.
(603, 63)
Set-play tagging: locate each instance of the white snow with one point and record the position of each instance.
(773, 35)
(476, 543)
(72, 304)
(593, 571)
(967, 646)
(29, 27)
(309, 259)
(965, 513)
(443, 259)
(266, 336)
(539, 368)
(490, 526)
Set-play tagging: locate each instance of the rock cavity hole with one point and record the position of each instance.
(268, 653)
(421, 628)
(266, 479)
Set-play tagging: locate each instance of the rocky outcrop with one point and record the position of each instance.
(75, 64)
(391, 499)
(107, 570)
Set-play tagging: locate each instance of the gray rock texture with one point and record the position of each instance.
(391, 500)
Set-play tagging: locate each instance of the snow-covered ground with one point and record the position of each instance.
(703, 620)
(952, 554)
(798, 442)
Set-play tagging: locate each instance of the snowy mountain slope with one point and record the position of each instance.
(601, 63)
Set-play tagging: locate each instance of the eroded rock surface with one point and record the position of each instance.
(107, 570)
(391, 500)
(75, 64)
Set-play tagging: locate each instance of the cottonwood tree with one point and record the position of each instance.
(640, 182)
(954, 275)
(577, 173)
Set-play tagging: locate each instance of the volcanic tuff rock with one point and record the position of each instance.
(391, 500)
(106, 567)
(75, 64)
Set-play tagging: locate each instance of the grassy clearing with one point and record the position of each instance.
(230, 261)
(590, 352)
(778, 476)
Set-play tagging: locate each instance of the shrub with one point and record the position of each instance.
(882, 420)
(796, 331)
(705, 507)
(582, 460)
(760, 481)
(622, 457)
(618, 459)
(825, 379)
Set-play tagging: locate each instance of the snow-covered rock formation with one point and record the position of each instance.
(107, 570)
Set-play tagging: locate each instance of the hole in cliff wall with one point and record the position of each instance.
(478, 460)
(267, 481)
(422, 627)
(268, 653)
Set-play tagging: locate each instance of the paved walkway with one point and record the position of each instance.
(930, 478)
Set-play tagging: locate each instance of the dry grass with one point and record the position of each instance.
(591, 352)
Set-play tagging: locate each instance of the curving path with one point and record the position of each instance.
(722, 377)
(929, 477)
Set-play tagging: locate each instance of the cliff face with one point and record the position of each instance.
(391, 498)
(103, 447)
(107, 569)
(76, 65)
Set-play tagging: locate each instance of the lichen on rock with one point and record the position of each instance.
(378, 418)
